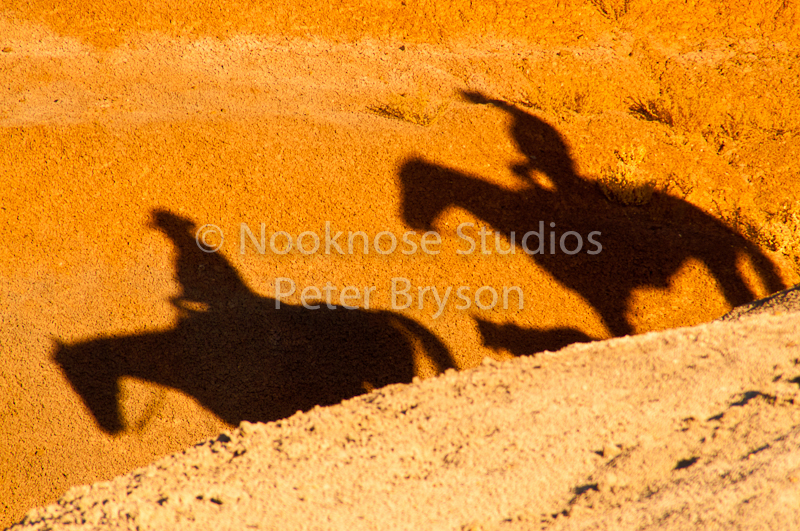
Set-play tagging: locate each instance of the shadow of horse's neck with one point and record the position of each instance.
(428, 190)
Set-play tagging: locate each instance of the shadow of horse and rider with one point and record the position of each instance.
(243, 359)
(642, 247)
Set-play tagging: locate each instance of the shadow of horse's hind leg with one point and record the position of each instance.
(732, 281)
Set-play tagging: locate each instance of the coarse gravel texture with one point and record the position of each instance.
(785, 301)
(683, 429)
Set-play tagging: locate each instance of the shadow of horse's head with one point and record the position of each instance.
(421, 197)
(93, 374)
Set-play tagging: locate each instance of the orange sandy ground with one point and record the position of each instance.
(123, 123)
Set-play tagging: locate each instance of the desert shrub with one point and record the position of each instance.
(624, 182)
(778, 232)
(612, 9)
(781, 232)
(720, 102)
(417, 109)
(565, 84)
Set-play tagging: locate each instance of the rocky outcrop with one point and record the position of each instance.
(682, 429)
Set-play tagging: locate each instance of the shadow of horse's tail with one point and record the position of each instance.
(437, 352)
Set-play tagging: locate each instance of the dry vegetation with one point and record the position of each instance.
(612, 9)
(624, 182)
(740, 101)
(417, 109)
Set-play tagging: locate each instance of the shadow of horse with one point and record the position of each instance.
(601, 250)
(242, 358)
